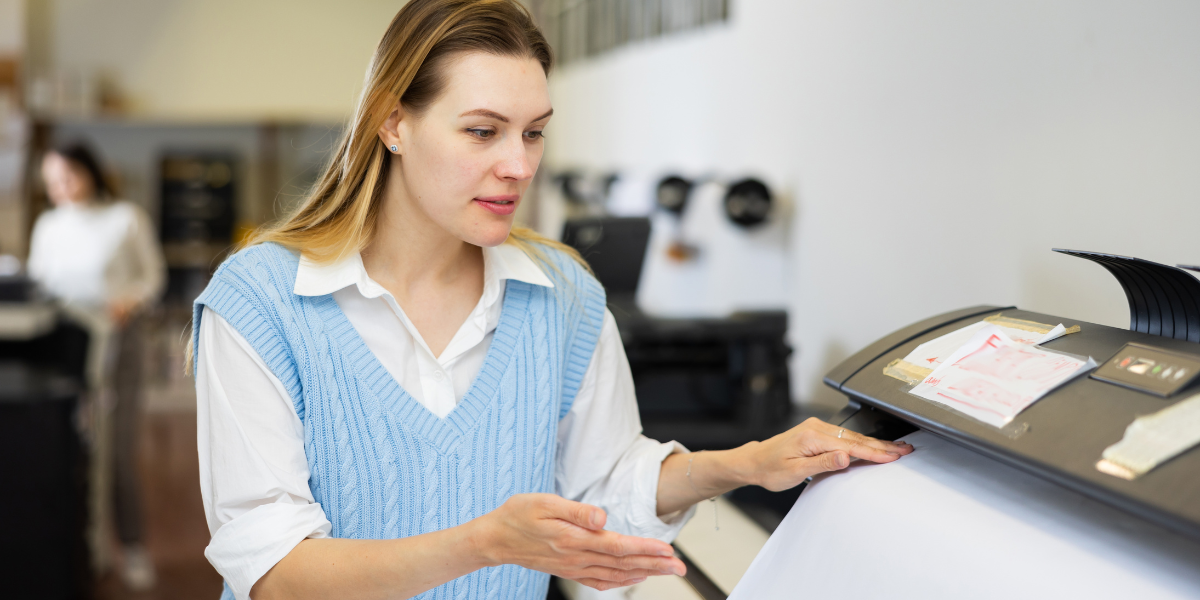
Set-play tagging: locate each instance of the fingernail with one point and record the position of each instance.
(636, 581)
(842, 460)
(595, 519)
(893, 453)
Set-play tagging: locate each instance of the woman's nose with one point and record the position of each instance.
(515, 166)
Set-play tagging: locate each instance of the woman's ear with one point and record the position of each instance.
(390, 131)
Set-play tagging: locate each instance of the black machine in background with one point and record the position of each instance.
(709, 383)
(197, 218)
(44, 465)
(17, 288)
(615, 248)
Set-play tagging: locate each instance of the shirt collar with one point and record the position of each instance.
(510, 262)
(499, 263)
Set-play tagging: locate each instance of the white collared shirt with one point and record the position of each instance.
(253, 470)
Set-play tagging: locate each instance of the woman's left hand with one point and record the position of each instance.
(777, 464)
(813, 447)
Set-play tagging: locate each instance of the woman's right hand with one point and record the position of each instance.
(548, 533)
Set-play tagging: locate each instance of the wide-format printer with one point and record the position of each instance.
(1063, 436)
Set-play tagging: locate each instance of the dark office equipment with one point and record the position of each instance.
(708, 383)
(748, 202)
(43, 466)
(62, 350)
(1189, 267)
(1163, 300)
(672, 194)
(16, 288)
(615, 248)
(197, 198)
(1060, 437)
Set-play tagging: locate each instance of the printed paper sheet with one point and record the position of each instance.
(993, 378)
(928, 356)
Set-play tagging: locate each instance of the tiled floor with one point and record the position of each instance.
(175, 529)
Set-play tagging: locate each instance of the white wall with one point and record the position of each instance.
(223, 59)
(936, 150)
(12, 27)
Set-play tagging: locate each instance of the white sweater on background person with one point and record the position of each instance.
(92, 254)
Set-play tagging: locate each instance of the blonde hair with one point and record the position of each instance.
(338, 217)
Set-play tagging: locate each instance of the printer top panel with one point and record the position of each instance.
(1061, 436)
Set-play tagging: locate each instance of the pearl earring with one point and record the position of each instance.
(394, 148)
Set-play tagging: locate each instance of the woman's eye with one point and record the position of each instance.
(482, 134)
(534, 135)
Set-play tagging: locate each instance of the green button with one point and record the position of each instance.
(1156, 369)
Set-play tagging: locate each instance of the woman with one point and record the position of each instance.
(99, 255)
(400, 393)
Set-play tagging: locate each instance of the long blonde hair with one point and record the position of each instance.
(339, 214)
(338, 217)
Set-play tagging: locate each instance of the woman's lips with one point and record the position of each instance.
(500, 205)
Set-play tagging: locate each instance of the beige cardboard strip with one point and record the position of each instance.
(1023, 325)
(906, 371)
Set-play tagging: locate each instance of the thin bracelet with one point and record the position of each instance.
(716, 521)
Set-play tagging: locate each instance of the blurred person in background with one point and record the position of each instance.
(98, 254)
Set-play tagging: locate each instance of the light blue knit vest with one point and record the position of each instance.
(382, 466)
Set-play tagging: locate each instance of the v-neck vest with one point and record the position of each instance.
(381, 465)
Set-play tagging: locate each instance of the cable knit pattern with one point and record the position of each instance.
(430, 481)
(383, 466)
(465, 495)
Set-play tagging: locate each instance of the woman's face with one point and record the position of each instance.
(66, 182)
(467, 161)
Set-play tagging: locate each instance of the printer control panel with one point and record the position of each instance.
(1149, 369)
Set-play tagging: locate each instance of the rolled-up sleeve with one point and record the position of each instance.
(604, 460)
(253, 471)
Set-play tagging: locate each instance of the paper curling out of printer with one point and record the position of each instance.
(1153, 439)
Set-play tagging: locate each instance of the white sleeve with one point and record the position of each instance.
(253, 471)
(152, 267)
(604, 460)
(35, 263)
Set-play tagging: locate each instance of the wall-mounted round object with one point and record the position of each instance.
(606, 184)
(570, 184)
(672, 193)
(748, 202)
